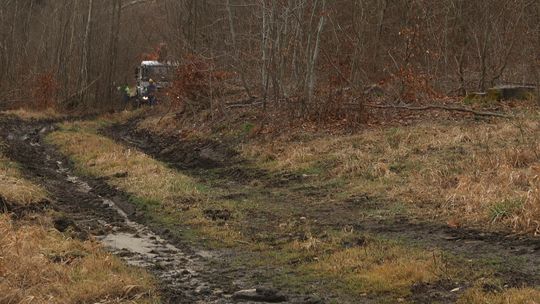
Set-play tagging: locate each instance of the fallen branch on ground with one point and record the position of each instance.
(12, 101)
(241, 105)
(439, 107)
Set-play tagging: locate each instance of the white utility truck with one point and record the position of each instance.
(160, 72)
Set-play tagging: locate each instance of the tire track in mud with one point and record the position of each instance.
(468, 243)
(91, 207)
(141, 247)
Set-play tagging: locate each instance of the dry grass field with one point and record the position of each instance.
(468, 173)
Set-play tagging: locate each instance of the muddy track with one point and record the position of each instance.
(91, 208)
(517, 257)
(195, 156)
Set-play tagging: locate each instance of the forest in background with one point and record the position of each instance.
(316, 57)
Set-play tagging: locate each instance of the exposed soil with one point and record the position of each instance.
(89, 208)
(517, 258)
(196, 156)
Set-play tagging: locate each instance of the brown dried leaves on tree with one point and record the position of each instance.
(44, 90)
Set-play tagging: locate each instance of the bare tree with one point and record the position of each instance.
(83, 82)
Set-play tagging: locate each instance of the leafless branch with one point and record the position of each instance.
(437, 107)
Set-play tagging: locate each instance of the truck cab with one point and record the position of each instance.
(160, 72)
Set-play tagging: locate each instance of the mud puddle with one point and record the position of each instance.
(139, 246)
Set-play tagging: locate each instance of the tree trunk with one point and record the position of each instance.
(311, 72)
(83, 76)
(236, 52)
(113, 49)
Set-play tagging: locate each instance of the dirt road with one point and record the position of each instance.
(91, 208)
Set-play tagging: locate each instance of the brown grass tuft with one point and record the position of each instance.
(521, 157)
(15, 189)
(381, 267)
(27, 114)
(512, 295)
(527, 218)
(42, 266)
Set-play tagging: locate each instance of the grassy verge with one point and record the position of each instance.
(512, 295)
(468, 173)
(464, 172)
(40, 265)
(362, 266)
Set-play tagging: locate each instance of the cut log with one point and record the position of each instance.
(509, 92)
